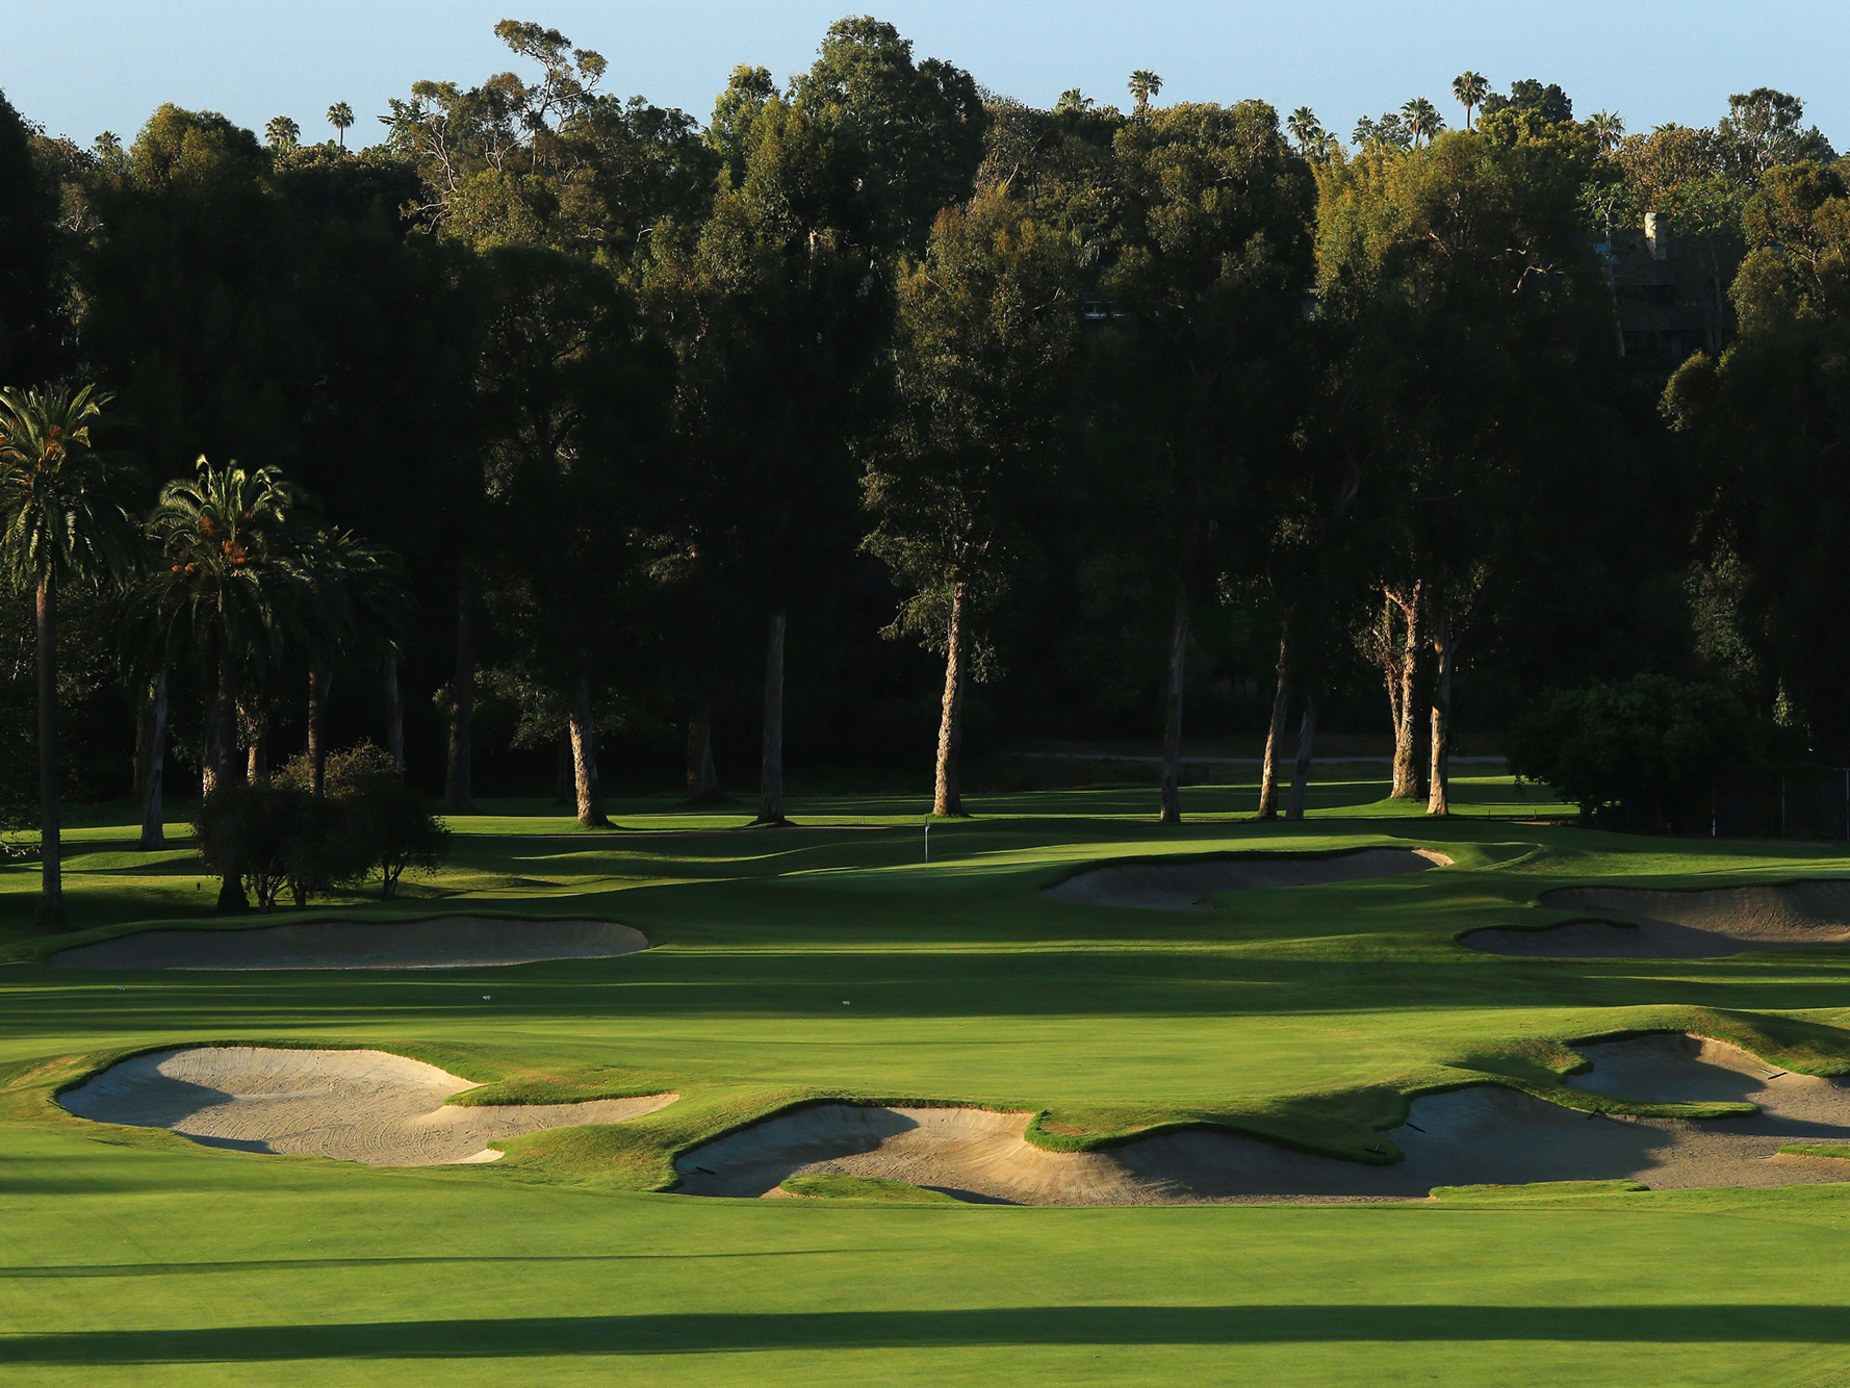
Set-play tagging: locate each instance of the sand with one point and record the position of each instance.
(363, 1106)
(1480, 1135)
(1181, 885)
(1682, 925)
(452, 942)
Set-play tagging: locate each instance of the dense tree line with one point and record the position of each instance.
(561, 421)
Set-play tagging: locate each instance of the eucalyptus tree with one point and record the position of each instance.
(1209, 283)
(574, 395)
(63, 524)
(1769, 422)
(1480, 329)
(987, 333)
(231, 586)
(1469, 90)
(340, 116)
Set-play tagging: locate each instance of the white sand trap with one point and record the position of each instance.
(1481, 1135)
(1681, 925)
(1168, 884)
(364, 1106)
(453, 942)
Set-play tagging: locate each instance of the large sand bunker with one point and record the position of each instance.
(1684, 925)
(364, 1106)
(1169, 884)
(1481, 1135)
(453, 942)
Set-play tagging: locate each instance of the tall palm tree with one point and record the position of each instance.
(340, 116)
(1422, 119)
(1072, 99)
(1469, 89)
(1608, 129)
(1303, 127)
(232, 579)
(63, 520)
(1144, 85)
(282, 133)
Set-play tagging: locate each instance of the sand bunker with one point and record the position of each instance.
(1481, 1135)
(1167, 884)
(364, 1106)
(454, 942)
(1684, 925)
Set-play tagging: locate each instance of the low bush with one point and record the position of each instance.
(1644, 750)
(281, 834)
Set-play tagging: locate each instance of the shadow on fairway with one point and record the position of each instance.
(696, 1333)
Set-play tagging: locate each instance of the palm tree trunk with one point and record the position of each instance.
(1172, 724)
(394, 712)
(257, 755)
(584, 757)
(51, 843)
(317, 724)
(1300, 770)
(1445, 646)
(947, 796)
(456, 789)
(231, 896)
(1275, 731)
(771, 765)
(702, 775)
(151, 763)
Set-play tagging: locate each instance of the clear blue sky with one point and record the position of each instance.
(81, 66)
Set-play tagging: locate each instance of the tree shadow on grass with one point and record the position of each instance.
(694, 1333)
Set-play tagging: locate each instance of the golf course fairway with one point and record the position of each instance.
(830, 964)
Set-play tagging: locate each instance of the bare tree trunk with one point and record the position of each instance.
(1300, 771)
(1171, 812)
(702, 776)
(51, 840)
(1401, 681)
(947, 797)
(584, 757)
(151, 763)
(771, 765)
(1275, 730)
(1445, 646)
(317, 731)
(394, 712)
(231, 896)
(456, 788)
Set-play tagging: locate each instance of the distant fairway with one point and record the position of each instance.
(829, 962)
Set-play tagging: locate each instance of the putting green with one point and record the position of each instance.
(1305, 1013)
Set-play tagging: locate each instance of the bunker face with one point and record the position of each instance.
(455, 942)
(1169, 885)
(364, 1106)
(1481, 1135)
(1681, 925)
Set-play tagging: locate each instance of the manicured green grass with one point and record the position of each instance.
(1307, 1014)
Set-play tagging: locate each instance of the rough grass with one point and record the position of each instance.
(1307, 1015)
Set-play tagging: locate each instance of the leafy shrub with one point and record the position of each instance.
(254, 832)
(281, 834)
(378, 823)
(1645, 749)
